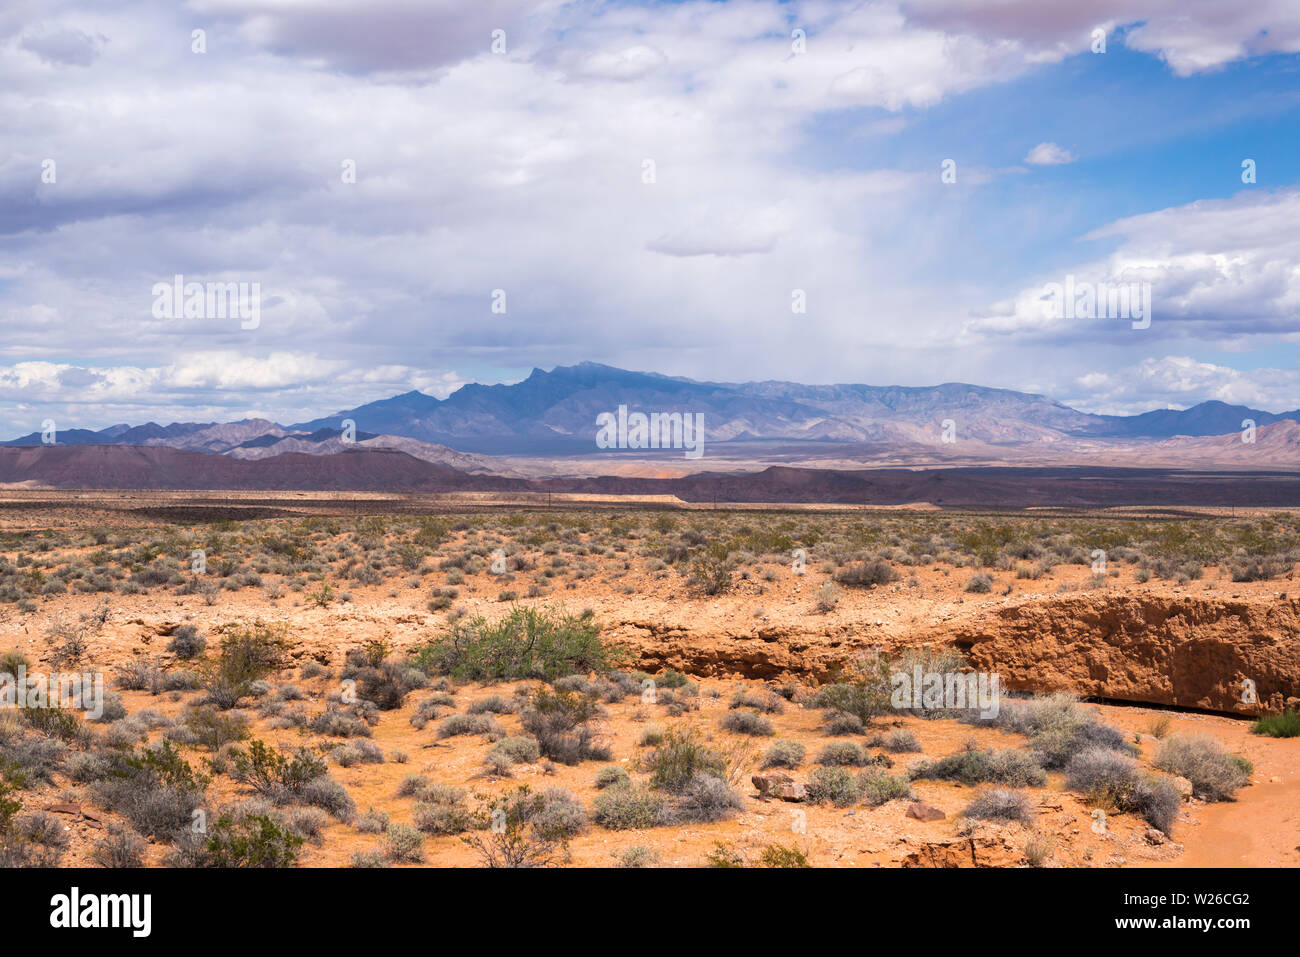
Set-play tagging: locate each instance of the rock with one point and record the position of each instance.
(1154, 836)
(64, 808)
(1184, 786)
(778, 784)
(924, 812)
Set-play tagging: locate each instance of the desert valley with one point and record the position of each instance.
(328, 680)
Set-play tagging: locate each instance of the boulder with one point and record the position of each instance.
(924, 812)
(778, 784)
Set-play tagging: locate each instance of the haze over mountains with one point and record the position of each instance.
(554, 414)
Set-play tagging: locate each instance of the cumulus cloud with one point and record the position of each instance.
(1181, 381)
(1221, 269)
(1049, 154)
(1192, 36)
(522, 171)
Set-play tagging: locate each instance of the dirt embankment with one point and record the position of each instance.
(1191, 652)
(1204, 653)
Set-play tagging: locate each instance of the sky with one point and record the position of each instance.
(429, 193)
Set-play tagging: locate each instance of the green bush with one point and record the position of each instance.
(1284, 725)
(248, 654)
(526, 643)
(253, 841)
(831, 784)
(680, 757)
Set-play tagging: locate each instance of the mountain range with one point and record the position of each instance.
(554, 414)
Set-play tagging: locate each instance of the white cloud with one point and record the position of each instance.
(1218, 269)
(1049, 154)
(1179, 382)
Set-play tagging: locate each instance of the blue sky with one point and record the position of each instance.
(776, 169)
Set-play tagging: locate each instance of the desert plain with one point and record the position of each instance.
(299, 680)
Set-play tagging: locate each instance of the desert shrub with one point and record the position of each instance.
(900, 741)
(1284, 725)
(838, 723)
(1104, 776)
(494, 704)
(1215, 774)
(187, 643)
(120, 847)
(1255, 571)
(141, 674)
(458, 724)
(388, 684)
(248, 654)
(843, 753)
(725, 857)
(555, 813)
(784, 754)
(154, 788)
(833, 785)
(441, 818)
(563, 724)
(747, 722)
(679, 758)
(999, 804)
(866, 574)
(339, 724)
(707, 797)
(628, 807)
(275, 776)
(519, 750)
(211, 729)
(864, 692)
(53, 721)
(523, 835)
(404, 844)
(637, 855)
(712, 571)
(410, 784)
(85, 767)
(826, 597)
(975, 766)
(1038, 849)
(307, 822)
(979, 584)
(372, 822)
(526, 643)
(611, 776)
(368, 859)
(778, 855)
(1113, 780)
(876, 787)
(765, 701)
(1058, 728)
(181, 681)
(358, 751)
(326, 793)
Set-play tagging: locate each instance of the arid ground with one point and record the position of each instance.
(306, 680)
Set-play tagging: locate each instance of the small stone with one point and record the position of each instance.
(1154, 836)
(64, 808)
